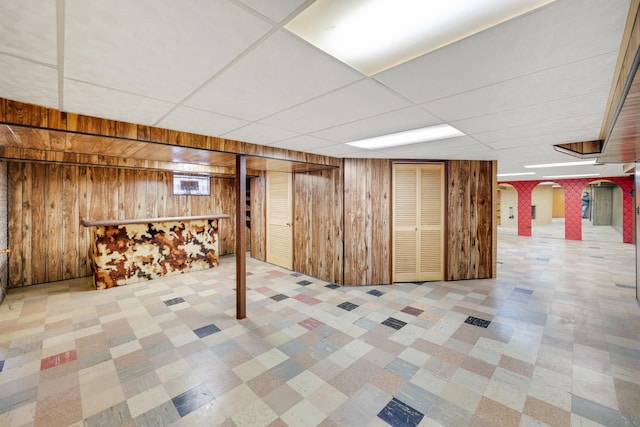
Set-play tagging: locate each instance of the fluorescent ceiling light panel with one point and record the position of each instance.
(431, 133)
(584, 175)
(516, 174)
(374, 35)
(557, 165)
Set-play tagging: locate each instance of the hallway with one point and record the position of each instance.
(555, 230)
(555, 340)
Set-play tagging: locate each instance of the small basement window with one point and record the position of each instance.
(191, 185)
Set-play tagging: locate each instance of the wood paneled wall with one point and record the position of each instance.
(367, 221)
(258, 232)
(317, 224)
(470, 219)
(4, 219)
(47, 201)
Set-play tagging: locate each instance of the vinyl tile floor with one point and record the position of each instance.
(555, 230)
(554, 340)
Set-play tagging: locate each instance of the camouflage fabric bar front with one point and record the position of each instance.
(130, 253)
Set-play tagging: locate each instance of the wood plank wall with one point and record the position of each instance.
(4, 232)
(470, 224)
(47, 201)
(366, 189)
(317, 224)
(495, 200)
(258, 231)
(367, 221)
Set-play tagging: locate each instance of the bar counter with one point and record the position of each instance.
(132, 250)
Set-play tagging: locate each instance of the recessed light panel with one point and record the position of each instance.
(582, 175)
(431, 133)
(563, 164)
(374, 35)
(500, 175)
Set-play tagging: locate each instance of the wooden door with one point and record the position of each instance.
(405, 224)
(557, 207)
(418, 222)
(279, 219)
(431, 222)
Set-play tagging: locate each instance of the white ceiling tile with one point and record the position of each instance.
(157, 48)
(548, 140)
(438, 149)
(343, 150)
(28, 82)
(560, 33)
(568, 170)
(274, 10)
(355, 102)
(200, 122)
(302, 143)
(226, 68)
(585, 77)
(383, 124)
(613, 169)
(481, 153)
(281, 72)
(18, 19)
(449, 143)
(376, 154)
(259, 134)
(533, 114)
(553, 128)
(110, 104)
(523, 155)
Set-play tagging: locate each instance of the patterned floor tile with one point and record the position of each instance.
(348, 306)
(475, 321)
(304, 283)
(394, 323)
(399, 414)
(558, 344)
(375, 293)
(172, 301)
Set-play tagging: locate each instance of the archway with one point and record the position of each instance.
(603, 219)
(548, 211)
(507, 210)
(572, 212)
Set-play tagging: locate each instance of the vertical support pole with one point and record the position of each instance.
(494, 219)
(241, 230)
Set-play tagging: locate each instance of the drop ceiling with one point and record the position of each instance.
(228, 68)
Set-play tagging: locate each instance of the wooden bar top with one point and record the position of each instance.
(111, 222)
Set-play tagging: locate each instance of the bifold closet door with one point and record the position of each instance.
(418, 222)
(279, 219)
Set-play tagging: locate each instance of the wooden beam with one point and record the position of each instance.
(241, 249)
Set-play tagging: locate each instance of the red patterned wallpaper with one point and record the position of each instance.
(573, 189)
